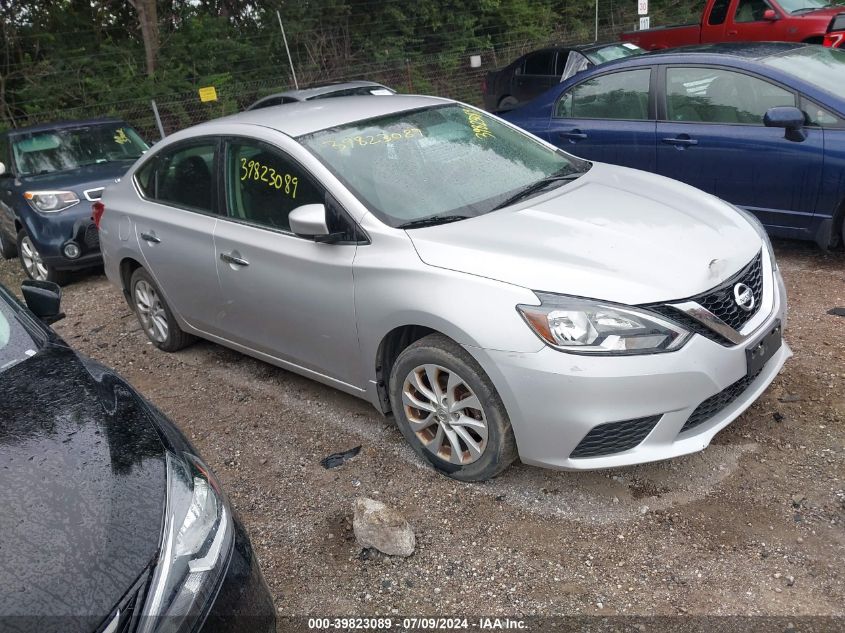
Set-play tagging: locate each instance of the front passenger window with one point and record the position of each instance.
(264, 185)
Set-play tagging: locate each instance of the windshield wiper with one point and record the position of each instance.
(536, 187)
(432, 220)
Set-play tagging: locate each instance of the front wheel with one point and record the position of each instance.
(33, 264)
(449, 411)
(8, 248)
(155, 315)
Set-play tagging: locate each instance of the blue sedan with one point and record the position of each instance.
(759, 125)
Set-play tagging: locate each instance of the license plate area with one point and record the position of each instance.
(762, 351)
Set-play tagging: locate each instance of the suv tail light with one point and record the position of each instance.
(97, 210)
(834, 40)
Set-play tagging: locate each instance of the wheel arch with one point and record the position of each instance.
(128, 266)
(813, 39)
(389, 348)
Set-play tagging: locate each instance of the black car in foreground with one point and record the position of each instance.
(535, 72)
(110, 521)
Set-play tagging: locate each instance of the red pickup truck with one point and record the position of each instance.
(813, 21)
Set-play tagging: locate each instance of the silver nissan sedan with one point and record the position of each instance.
(500, 297)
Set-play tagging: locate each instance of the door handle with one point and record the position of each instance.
(232, 259)
(573, 135)
(732, 33)
(151, 238)
(680, 141)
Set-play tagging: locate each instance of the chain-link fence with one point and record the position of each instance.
(443, 75)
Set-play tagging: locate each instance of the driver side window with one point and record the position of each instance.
(750, 11)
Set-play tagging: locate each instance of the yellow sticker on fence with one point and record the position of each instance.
(209, 93)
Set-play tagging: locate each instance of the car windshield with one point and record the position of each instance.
(613, 51)
(822, 67)
(800, 6)
(16, 344)
(70, 148)
(452, 161)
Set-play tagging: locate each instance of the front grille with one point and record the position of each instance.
(717, 403)
(615, 437)
(92, 237)
(720, 301)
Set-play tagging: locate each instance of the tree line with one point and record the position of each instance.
(71, 54)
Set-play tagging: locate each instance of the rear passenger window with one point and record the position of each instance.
(719, 12)
(181, 177)
(715, 95)
(264, 185)
(539, 63)
(621, 95)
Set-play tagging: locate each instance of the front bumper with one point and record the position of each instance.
(555, 399)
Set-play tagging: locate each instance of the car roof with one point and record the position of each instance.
(61, 125)
(744, 50)
(309, 93)
(305, 117)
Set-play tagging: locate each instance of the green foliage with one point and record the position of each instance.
(80, 58)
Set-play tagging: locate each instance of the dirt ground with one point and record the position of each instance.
(752, 525)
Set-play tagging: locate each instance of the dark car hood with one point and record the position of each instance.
(99, 175)
(82, 492)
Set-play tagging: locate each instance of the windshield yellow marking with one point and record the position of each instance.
(373, 139)
(478, 124)
(120, 137)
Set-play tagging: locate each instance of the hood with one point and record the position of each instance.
(83, 491)
(80, 179)
(615, 234)
(824, 15)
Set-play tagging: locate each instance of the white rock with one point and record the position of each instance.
(383, 528)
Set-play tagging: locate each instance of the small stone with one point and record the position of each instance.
(644, 510)
(799, 540)
(777, 575)
(790, 580)
(777, 416)
(797, 499)
(383, 528)
(599, 605)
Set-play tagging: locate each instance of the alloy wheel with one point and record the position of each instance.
(445, 414)
(32, 261)
(151, 311)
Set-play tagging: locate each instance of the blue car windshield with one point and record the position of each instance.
(820, 66)
(16, 344)
(64, 149)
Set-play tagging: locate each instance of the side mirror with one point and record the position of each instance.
(309, 221)
(771, 15)
(788, 117)
(44, 299)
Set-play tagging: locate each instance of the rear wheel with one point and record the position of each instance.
(508, 103)
(449, 411)
(155, 315)
(33, 264)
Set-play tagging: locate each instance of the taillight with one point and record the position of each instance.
(97, 211)
(833, 40)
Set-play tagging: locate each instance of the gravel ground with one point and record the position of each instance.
(752, 525)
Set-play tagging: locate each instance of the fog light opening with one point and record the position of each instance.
(71, 250)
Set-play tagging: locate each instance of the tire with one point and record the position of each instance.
(8, 248)
(508, 103)
(154, 315)
(437, 358)
(33, 265)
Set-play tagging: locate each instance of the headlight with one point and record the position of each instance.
(761, 231)
(195, 548)
(51, 201)
(583, 326)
